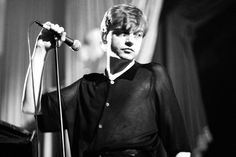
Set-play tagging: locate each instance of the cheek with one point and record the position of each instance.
(116, 43)
(138, 45)
(113, 44)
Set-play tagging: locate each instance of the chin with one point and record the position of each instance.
(128, 57)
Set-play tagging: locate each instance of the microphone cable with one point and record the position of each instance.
(30, 55)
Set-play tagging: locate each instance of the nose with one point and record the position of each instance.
(129, 40)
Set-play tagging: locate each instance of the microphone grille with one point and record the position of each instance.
(76, 45)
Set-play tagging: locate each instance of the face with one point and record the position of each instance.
(126, 45)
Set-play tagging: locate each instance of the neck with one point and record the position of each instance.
(115, 65)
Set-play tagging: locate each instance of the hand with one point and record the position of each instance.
(47, 39)
(183, 154)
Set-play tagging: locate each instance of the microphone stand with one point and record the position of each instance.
(59, 97)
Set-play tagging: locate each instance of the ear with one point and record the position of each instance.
(106, 42)
(104, 38)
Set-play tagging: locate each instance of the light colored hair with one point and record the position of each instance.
(123, 16)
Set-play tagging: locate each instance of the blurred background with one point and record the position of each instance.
(194, 40)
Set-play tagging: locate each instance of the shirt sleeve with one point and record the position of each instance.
(172, 129)
(49, 119)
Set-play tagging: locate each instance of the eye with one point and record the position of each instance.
(118, 32)
(139, 34)
(121, 33)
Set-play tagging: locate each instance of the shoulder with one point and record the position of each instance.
(93, 77)
(154, 67)
(159, 73)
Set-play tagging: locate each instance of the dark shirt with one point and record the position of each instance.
(139, 110)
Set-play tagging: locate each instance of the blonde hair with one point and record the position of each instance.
(123, 16)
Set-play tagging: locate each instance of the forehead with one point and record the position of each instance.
(126, 18)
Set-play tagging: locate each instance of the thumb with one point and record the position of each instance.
(62, 39)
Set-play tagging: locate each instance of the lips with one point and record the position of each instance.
(129, 50)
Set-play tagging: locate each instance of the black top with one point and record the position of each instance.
(139, 110)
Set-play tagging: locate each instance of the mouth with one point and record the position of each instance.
(128, 50)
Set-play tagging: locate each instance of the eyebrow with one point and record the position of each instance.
(120, 30)
(138, 31)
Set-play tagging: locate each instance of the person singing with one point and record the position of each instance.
(129, 110)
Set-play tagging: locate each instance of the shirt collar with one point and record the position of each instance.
(128, 73)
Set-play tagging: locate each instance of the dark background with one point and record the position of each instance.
(214, 49)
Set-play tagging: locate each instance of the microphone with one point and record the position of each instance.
(73, 44)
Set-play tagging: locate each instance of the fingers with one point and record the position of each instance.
(42, 43)
(50, 27)
(63, 38)
(51, 31)
(55, 27)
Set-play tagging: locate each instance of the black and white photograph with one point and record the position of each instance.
(117, 78)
